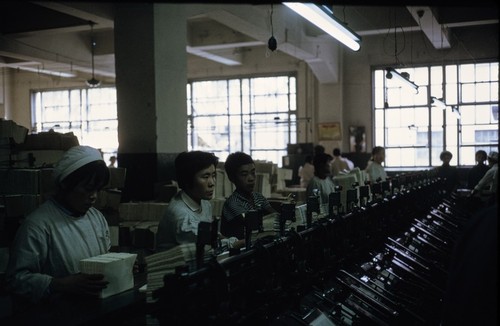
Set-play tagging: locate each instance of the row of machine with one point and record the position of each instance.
(379, 259)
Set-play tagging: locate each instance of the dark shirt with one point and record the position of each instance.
(232, 222)
(475, 174)
(471, 297)
(450, 176)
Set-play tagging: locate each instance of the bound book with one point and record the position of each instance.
(117, 268)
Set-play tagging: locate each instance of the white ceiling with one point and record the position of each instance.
(54, 37)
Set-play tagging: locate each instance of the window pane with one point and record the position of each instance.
(401, 137)
(494, 91)
(211, 133)
(467, 73)
(422, 157)
(379, 89)
(266, 131)
(482, 92)
(468, 93)
(392, 157)
(482, 72)
(393, 118)
(483, 114)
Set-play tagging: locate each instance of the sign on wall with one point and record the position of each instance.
(329, 131)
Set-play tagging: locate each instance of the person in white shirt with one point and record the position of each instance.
(196, 175)
(487, 187)
(49, 244)
(306, 171)
(322, 180)
(375, 170)
(340, 164)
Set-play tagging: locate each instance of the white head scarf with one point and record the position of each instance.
(73, 159)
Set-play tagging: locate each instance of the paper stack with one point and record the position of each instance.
(117, 268)
(165, 262)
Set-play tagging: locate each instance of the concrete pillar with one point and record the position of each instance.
(151, 77)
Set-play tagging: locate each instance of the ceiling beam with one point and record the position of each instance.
(319, 52)
(435, 32)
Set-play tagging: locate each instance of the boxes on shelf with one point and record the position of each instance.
(223, 187)
(37, 158)
(10, 129)
(50, 140)
(282, 176)
(108, 199)
(142, 211)
(23, 181)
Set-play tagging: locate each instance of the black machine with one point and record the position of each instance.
(382, 262)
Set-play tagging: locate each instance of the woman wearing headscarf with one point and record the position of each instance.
(50, 243)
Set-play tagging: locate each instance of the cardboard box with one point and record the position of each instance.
(26, 181)
(144, 235)
(40, 157)
(50, 140)
(142, 211)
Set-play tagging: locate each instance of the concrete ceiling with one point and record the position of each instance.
(54, 37)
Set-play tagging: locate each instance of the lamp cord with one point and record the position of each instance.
(92, 47)
(271, 20)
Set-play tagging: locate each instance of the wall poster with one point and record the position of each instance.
(329, 131)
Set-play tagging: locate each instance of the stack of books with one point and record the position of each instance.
(165, 262)
(117, 268)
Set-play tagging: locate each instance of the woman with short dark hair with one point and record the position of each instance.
(196, 175)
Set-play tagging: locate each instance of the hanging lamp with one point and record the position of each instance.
(93, 82)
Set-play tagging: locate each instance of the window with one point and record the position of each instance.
(414, 132)
(91, 115)
(253, 115)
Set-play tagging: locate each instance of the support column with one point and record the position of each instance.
(150, 47)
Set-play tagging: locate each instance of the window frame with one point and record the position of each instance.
(79, 118)
(443, 130)
(241, 112)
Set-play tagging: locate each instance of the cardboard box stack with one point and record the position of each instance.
(140, 220)
(10, 134)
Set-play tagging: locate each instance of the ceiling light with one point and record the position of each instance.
(327, 22)
(47, 72)
(403, 77)
(438, 103)
(456, 111)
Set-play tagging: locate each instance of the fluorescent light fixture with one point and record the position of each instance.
(402, 77)
(47, 72)
(454, 110)
(327, 22)
(210, 56)
(438, 103)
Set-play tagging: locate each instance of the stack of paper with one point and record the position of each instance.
(117, 268)
(165, 262)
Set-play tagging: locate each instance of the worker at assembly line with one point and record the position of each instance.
(50, 243)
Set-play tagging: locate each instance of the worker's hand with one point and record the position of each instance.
(83, 284)
(239, 244)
